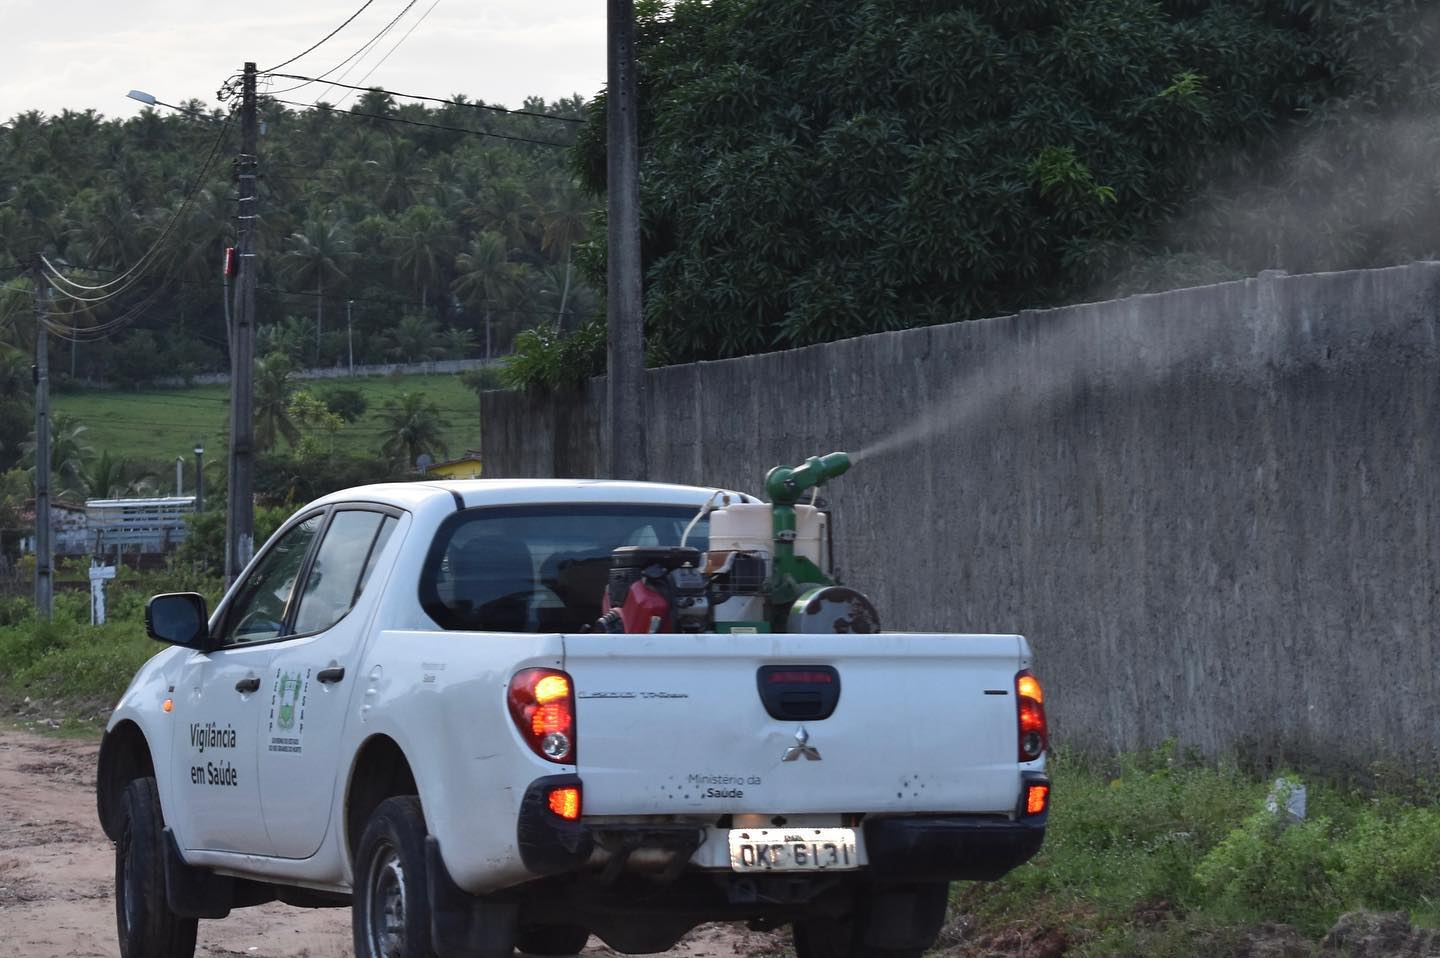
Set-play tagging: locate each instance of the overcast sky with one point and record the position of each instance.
(80, 54)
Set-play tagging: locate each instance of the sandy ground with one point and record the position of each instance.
(57, 871)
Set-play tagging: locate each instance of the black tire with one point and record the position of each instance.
(913, 914)
(551, 939)
(390, 905)
(146, 925)
(841, 938)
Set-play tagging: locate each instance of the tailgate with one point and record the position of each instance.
(674, 724)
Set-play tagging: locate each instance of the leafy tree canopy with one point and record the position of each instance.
(814, 169)
(362, 221)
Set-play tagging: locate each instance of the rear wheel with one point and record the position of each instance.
(390, 910)
(146, 925)
(551, 939)
(907, 919)
(816, 938)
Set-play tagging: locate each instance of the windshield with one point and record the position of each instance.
(538, 568)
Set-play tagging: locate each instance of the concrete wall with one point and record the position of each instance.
(1212, 511)
(433, 367)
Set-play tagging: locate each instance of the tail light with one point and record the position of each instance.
(1030, 705)
(565, 802)
(1037, 798)
(542, 703)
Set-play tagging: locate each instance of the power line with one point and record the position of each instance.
(433, 126)
(363, 7)
(436, 99)
(90, 334)
(311, 294)
(361, 52)
(124, 281)
(381, 62)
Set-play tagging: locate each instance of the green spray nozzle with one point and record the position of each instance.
(786, 484)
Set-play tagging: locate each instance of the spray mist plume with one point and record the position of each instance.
(1054, 354)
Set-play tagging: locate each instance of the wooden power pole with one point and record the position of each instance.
(44, 552)
(625, 382)
(240, 512)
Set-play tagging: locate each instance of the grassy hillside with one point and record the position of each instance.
(155, 427)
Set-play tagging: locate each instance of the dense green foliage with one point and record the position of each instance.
(814, 169)
(1190, 850)
(74, 670)
(445, 244)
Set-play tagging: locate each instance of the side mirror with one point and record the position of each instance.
(179, 618)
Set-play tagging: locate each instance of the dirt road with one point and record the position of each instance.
(57, 869)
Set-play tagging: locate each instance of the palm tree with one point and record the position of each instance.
(196, 252)
(290, 337)
(314, 256)
(457, 342)
(374, 102)
(411, 425)
(423, 244)
(564, 224)
(398, 164)
(507, 210)
(108, 478)
(272, 402)
(414, 339)
(486, 276)
(110, 226)
(69, 453)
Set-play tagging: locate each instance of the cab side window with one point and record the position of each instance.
(258, 612)
(346, 554)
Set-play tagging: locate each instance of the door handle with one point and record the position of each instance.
(333, 674)
(251, 684)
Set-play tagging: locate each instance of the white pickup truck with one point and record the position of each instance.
(405, 706)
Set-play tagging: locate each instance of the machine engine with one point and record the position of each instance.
(765, 569)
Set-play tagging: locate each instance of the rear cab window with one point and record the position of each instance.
(538, 568)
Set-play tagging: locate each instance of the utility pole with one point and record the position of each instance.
(199, 476)
(240, 514)
(625, 382)
(350, 334)
(44, 583)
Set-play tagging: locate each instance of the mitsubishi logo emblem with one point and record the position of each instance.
(802, 747)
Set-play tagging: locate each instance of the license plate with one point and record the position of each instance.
(792, 849)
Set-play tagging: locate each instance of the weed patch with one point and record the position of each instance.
(68, 674)
(1163, 854)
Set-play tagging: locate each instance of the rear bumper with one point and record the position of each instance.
(899, 850)
(949, 848)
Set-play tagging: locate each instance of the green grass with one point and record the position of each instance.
(156, 426)
(71, 672)
(1153, 853)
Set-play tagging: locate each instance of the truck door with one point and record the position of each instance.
(312, 677)
(220, 698)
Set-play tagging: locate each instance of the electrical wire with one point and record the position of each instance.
(358, 53)
(433, 126)
(363, 7)
(126, 280)
(436, 99)
(311, 294)
(82, 334)
(387, 56)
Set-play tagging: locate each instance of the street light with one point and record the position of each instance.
(149, 100)
(199, 477)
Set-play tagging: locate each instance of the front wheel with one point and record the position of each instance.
(146, 925)
(390, 910)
